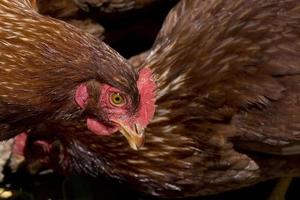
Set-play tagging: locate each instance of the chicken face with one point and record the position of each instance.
(116, 111)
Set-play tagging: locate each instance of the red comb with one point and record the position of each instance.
(147, 87)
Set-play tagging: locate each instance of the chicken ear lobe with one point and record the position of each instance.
(87, 92)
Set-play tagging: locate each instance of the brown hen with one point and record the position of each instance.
(227, 109)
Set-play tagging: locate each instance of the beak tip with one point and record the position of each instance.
(137, 143)
(135, 148)
(135, 136)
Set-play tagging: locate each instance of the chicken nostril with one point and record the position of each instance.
(136, 129)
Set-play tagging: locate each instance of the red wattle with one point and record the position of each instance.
(99, 128)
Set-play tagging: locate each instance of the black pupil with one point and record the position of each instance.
(118, 99)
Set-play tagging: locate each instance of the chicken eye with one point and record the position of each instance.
(117, 99)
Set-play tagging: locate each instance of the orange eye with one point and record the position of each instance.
(117, 99)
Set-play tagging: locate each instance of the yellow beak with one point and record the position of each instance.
(134, 135)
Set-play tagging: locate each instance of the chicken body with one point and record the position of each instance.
(228, 103)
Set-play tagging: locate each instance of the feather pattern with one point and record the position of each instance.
(228, 88)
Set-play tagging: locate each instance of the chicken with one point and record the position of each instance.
(58, 8)
(227, 104)
(52, 72)
(119, 20)
(113, 5)
(71, 8)
(68, 11)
